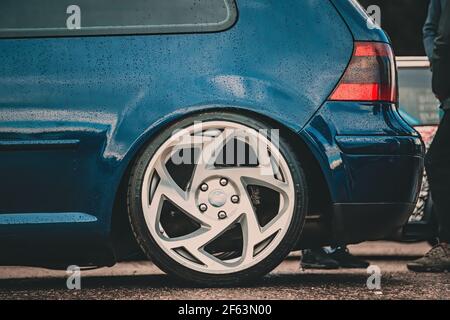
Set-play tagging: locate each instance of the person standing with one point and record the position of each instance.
(430, 29)
(437, 161)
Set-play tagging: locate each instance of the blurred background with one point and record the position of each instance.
(403, 20)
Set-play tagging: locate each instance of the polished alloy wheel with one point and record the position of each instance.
(218, 198)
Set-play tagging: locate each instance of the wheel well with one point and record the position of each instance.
(126, 247)
(319, 194)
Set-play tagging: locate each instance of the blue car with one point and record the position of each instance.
(213, 136)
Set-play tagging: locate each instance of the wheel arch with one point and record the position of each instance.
(122, 238)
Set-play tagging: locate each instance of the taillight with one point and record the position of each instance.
(370, 76)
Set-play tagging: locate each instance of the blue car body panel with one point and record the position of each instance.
(74, 112)
(358, 21)
(358, 151)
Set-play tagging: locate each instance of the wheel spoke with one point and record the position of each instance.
(195, 242)
(251, 175)
(251, 230)
(208, 156)
(168, 190)
(186, 139)
(207, 259)
(203, 236)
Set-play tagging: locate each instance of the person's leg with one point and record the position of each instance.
(438, 170)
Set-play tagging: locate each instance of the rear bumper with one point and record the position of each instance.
(384, 177)
(356, 222)
(386, 169)
(372, 162)
(367, 153)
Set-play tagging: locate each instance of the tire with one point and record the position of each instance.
(156, 234)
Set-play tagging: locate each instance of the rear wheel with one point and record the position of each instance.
(218, 201)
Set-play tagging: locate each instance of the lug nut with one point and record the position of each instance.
(204, 187)
(222, 215)
(235, 199)
(203, 207)
(223, 182)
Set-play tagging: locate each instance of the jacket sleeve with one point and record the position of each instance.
(441, 57)
(431, 26)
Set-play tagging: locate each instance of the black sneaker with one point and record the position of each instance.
(317, 259)
(346, 260)
(436, 260)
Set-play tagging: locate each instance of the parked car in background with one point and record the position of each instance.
(419, 107)
(91, 117)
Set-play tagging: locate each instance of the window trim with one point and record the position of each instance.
(211, 27)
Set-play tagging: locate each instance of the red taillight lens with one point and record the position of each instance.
(370, 76)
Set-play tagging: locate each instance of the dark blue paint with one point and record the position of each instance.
(375, 171)
(380, 145)
(38, 144)
(75, 111)
(357, 19)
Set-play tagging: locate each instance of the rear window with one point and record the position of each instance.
(42, 18)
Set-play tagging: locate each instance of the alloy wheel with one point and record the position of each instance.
(224, 214)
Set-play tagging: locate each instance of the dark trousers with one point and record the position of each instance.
(437, 164)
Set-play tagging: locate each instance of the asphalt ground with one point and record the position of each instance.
(143, 280)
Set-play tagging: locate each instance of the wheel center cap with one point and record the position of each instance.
(217, 198)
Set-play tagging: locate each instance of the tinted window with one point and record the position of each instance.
(28, 18)
(416, 96)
